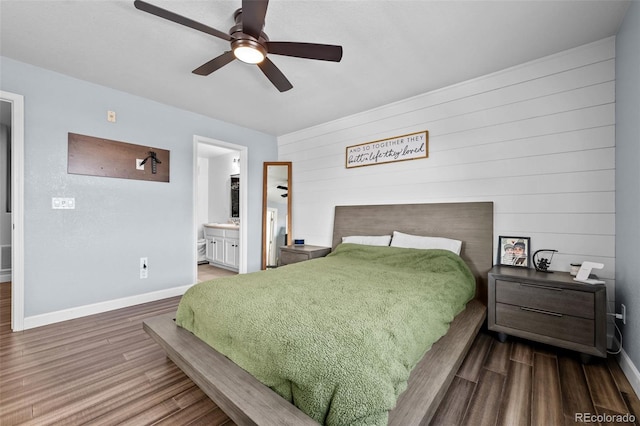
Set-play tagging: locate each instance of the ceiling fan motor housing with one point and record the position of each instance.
(239, 39)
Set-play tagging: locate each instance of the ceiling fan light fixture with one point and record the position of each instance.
(248, 41)
(249, 51)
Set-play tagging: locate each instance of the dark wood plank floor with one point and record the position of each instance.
(103, 369)
(99, 370)
(523, 383)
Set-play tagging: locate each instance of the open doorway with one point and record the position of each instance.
(220, 208)
(12, 203)
(5, 215)
(5, 191)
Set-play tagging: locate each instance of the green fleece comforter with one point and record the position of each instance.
(337, 336)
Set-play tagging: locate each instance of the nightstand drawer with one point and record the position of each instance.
(546, 298)
(565, 327)
(288, 257)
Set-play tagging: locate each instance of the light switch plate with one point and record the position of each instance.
(63, 203)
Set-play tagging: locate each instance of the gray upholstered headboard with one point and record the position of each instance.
(472, 223)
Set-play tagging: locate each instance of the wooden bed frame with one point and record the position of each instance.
(248, 402)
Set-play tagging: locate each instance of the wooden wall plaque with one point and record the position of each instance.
(88, 155)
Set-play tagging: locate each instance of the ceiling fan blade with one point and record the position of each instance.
(322, 52)
(253, 13)
(163, 13)
(215, 64)
(275, 75)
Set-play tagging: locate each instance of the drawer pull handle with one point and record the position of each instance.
(540, 311)
(541, 286)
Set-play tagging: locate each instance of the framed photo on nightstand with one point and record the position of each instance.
(514, 251)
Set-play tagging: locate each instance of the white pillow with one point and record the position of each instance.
(369, 240)
(418, 242)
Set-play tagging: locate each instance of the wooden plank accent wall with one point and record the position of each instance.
(537, 139)
(88, 155)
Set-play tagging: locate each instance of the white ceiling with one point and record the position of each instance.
(393, 49)
(206, 150)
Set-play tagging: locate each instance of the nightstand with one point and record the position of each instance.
(294, 254)
(549, 308)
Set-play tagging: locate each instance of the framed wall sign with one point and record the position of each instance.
(514, 251)
(413, 146)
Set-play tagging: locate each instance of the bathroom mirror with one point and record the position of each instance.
(276, 211)
(235, 196)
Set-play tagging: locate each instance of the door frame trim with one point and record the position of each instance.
(244, 153)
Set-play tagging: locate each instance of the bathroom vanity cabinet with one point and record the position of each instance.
(223, 245)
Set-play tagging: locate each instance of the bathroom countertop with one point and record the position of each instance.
(222, 225)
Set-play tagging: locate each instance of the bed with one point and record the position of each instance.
(247, 401)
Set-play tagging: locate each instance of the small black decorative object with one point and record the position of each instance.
(154, 161)
(542, 264)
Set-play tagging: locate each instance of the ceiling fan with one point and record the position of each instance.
(249, 43)
(284, 188)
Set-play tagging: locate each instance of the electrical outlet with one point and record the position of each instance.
(138, 165)
(144, 268)
(624, 313)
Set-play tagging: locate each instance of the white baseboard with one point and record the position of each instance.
(629, 369)
(5, 277)
(96, 308)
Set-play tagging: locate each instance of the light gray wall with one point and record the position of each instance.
(628, 177)
(91, 254)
